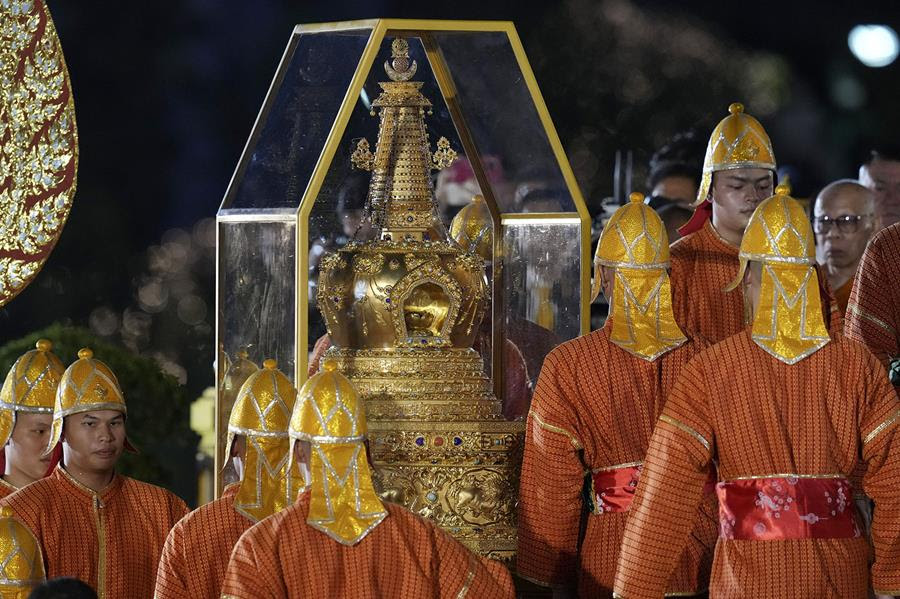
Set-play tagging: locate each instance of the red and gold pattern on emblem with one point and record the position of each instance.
(38, 143)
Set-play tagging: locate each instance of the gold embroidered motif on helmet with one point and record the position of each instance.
(261, 414)
(635, 243)
(738, 141)
(21, 562)
(788, 323)
(30, 386)
(330, 415)
(87, 385)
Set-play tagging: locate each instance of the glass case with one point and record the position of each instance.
(295, 195)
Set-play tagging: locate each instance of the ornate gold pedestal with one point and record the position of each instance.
(438, 442)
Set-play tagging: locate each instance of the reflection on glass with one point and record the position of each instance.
(256, 291)
(504, 122)
(297, 119)
(542, 282)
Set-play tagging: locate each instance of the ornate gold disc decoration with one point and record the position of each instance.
(38, 142)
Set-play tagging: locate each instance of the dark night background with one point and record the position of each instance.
(166, 94)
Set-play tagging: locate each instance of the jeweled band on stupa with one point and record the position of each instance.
(402, 312)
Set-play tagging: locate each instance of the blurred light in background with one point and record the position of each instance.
(874, 45)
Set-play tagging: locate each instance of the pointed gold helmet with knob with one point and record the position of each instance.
(738, 141)
(635, 243)
(87, 385)
(789, 323)
(329, 414)
(21, 562)
(30, 386)
(261, 415)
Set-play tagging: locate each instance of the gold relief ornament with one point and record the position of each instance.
(738, 141)
(87, 385)
(788, 323)
(21, 561)
(634, 242)
(261, 415)
(30, 386)
(330, 416)
(38, 142)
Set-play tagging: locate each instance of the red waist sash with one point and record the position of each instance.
(780, 508)
(612, 489)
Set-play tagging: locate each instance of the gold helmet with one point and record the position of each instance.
(30, 386)
(789, 323)
(87, 385)
(473, 228)
(21, 562)
(261, 414)
(738, 141)
(330, 415)
(635, 243)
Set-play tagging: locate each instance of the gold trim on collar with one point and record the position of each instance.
(556, 429)
(878, 429)
(678, 424)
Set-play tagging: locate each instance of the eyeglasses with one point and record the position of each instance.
(847, 224)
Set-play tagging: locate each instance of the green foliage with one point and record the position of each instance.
(158, 406)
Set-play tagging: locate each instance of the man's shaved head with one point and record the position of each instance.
(847, 190)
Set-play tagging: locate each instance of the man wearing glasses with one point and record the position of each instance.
(844, 221)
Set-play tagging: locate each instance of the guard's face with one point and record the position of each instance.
(28, 441)
(736, 193)
(93, 441)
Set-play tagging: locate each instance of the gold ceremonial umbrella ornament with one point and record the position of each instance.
(328, 240)
(38, 143)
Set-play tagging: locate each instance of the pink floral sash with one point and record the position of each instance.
(786, 507)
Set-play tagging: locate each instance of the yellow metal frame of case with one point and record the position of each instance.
(382, 28)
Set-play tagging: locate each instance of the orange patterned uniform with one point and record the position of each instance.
(703, 264)
(758, 416)
(111, 540)
(197, 550)
(404, 556)
(873, 312)
(594, 408)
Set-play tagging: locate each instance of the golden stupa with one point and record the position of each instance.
(402, 312)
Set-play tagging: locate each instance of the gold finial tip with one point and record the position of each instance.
(85, 353)
(636, 197)
(243, 355)
(44, 345)
(736, 108)
(270, 364)
(477, 198)
(783, 189)
(329, 365)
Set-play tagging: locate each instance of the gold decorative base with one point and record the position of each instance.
(438, 441)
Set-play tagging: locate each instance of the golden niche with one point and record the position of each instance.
(402, 313)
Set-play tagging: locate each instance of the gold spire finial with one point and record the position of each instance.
(783, 189)
(400, 68)
(735, 108)
(636, 197)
